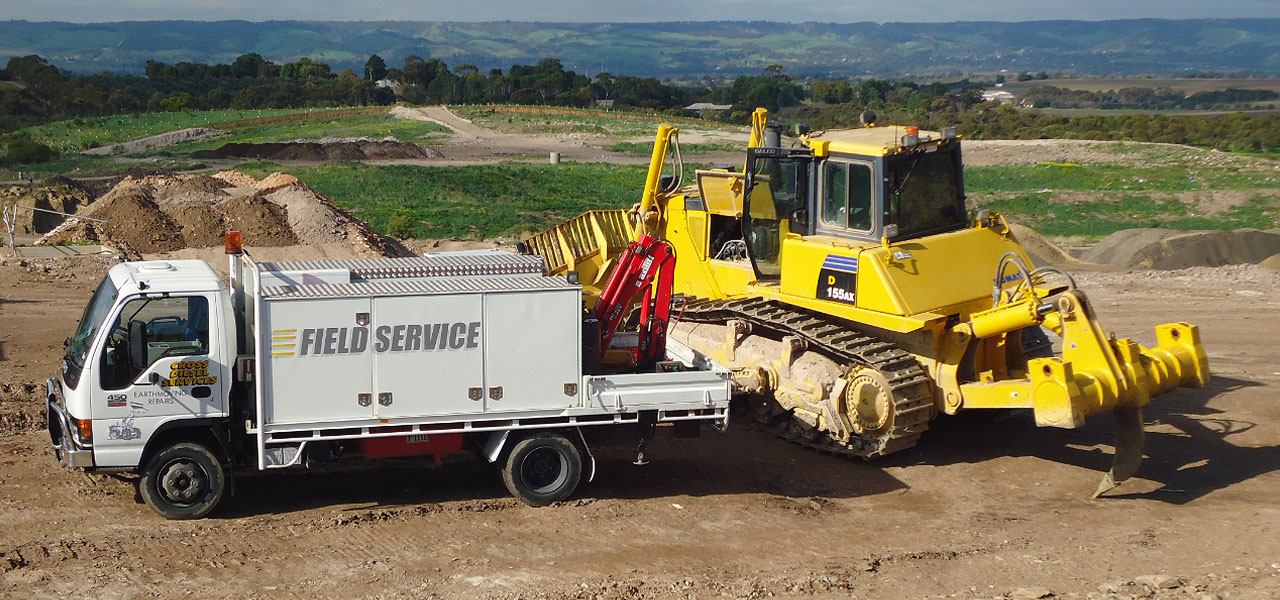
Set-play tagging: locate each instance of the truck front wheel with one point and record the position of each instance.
(542, 469)
(182, 481)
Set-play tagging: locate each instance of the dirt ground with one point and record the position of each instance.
(984, 507)
(472, 144)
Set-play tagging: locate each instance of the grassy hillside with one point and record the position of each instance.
(81, 134)
(539, 120)
(1056, 199)
(1122, 186)
(1063, 199)
(687, 49)
(471, 202)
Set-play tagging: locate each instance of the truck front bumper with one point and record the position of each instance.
(66, 447)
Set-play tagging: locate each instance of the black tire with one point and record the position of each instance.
(182, 481)
(542, 469)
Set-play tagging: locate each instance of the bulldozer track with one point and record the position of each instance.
(911, 390)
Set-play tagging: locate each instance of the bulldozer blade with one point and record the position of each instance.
(1129, 441)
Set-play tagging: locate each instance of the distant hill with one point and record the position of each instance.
(690, 49)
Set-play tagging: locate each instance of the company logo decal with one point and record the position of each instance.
(328, 341)
(188, 373)
(836, 262)
(838, 279)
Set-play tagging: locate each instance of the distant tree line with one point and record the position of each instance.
(1145, 98)
(922, 106)
(33, 92)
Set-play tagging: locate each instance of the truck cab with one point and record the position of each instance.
(152, 351)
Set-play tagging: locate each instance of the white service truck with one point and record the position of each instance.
(185, 379)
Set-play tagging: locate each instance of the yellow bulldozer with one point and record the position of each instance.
(855, 296)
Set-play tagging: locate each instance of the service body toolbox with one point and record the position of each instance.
(184, 379)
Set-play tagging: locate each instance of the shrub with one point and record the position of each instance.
(402, 226)
(25, 151)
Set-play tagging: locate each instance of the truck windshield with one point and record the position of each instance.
(925, 193)
(94, 314)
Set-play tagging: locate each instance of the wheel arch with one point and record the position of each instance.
(210, 433)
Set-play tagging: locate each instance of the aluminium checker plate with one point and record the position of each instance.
(444, 264)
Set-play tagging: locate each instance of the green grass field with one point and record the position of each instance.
(1109, 178)
(1098, 200)
(252, 128)
(647, 149)
(80, 134)
(375, 125)
(471, 202)
(538, 120)
(1147, 186)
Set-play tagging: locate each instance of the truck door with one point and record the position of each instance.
(428, 359)
(182, 374)
(532, 350)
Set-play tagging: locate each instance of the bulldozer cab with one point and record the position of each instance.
(849, 196)
(776, 203)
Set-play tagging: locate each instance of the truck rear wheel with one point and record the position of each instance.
(182, 481)
(542, 469)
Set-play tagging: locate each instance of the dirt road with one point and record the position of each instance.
(472, 144)
(983, 508)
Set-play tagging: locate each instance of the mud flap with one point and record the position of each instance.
(1129, 441)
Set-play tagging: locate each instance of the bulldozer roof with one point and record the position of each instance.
(868, 141)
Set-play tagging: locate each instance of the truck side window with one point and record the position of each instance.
(176, 326)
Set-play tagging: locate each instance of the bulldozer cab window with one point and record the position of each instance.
(925, 193)
(177, 326)
(846, 196)
(776, 202)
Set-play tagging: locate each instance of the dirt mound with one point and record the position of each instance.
(236, 178)
(327, 151)
(1119, 247)
(260, 223)
(1169, 249)
(277, 180)
(61, 195)
(161, 213)
(193, 183)
(195, 216)
(132, 223)
(1271, 262)
(1042, 251)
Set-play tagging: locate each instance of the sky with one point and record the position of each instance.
(838, 11)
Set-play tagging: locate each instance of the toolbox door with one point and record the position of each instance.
(319, 367)
(533, 350)
(428, 356)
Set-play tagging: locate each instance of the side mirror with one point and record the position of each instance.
(890, 231)
(138, 345)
